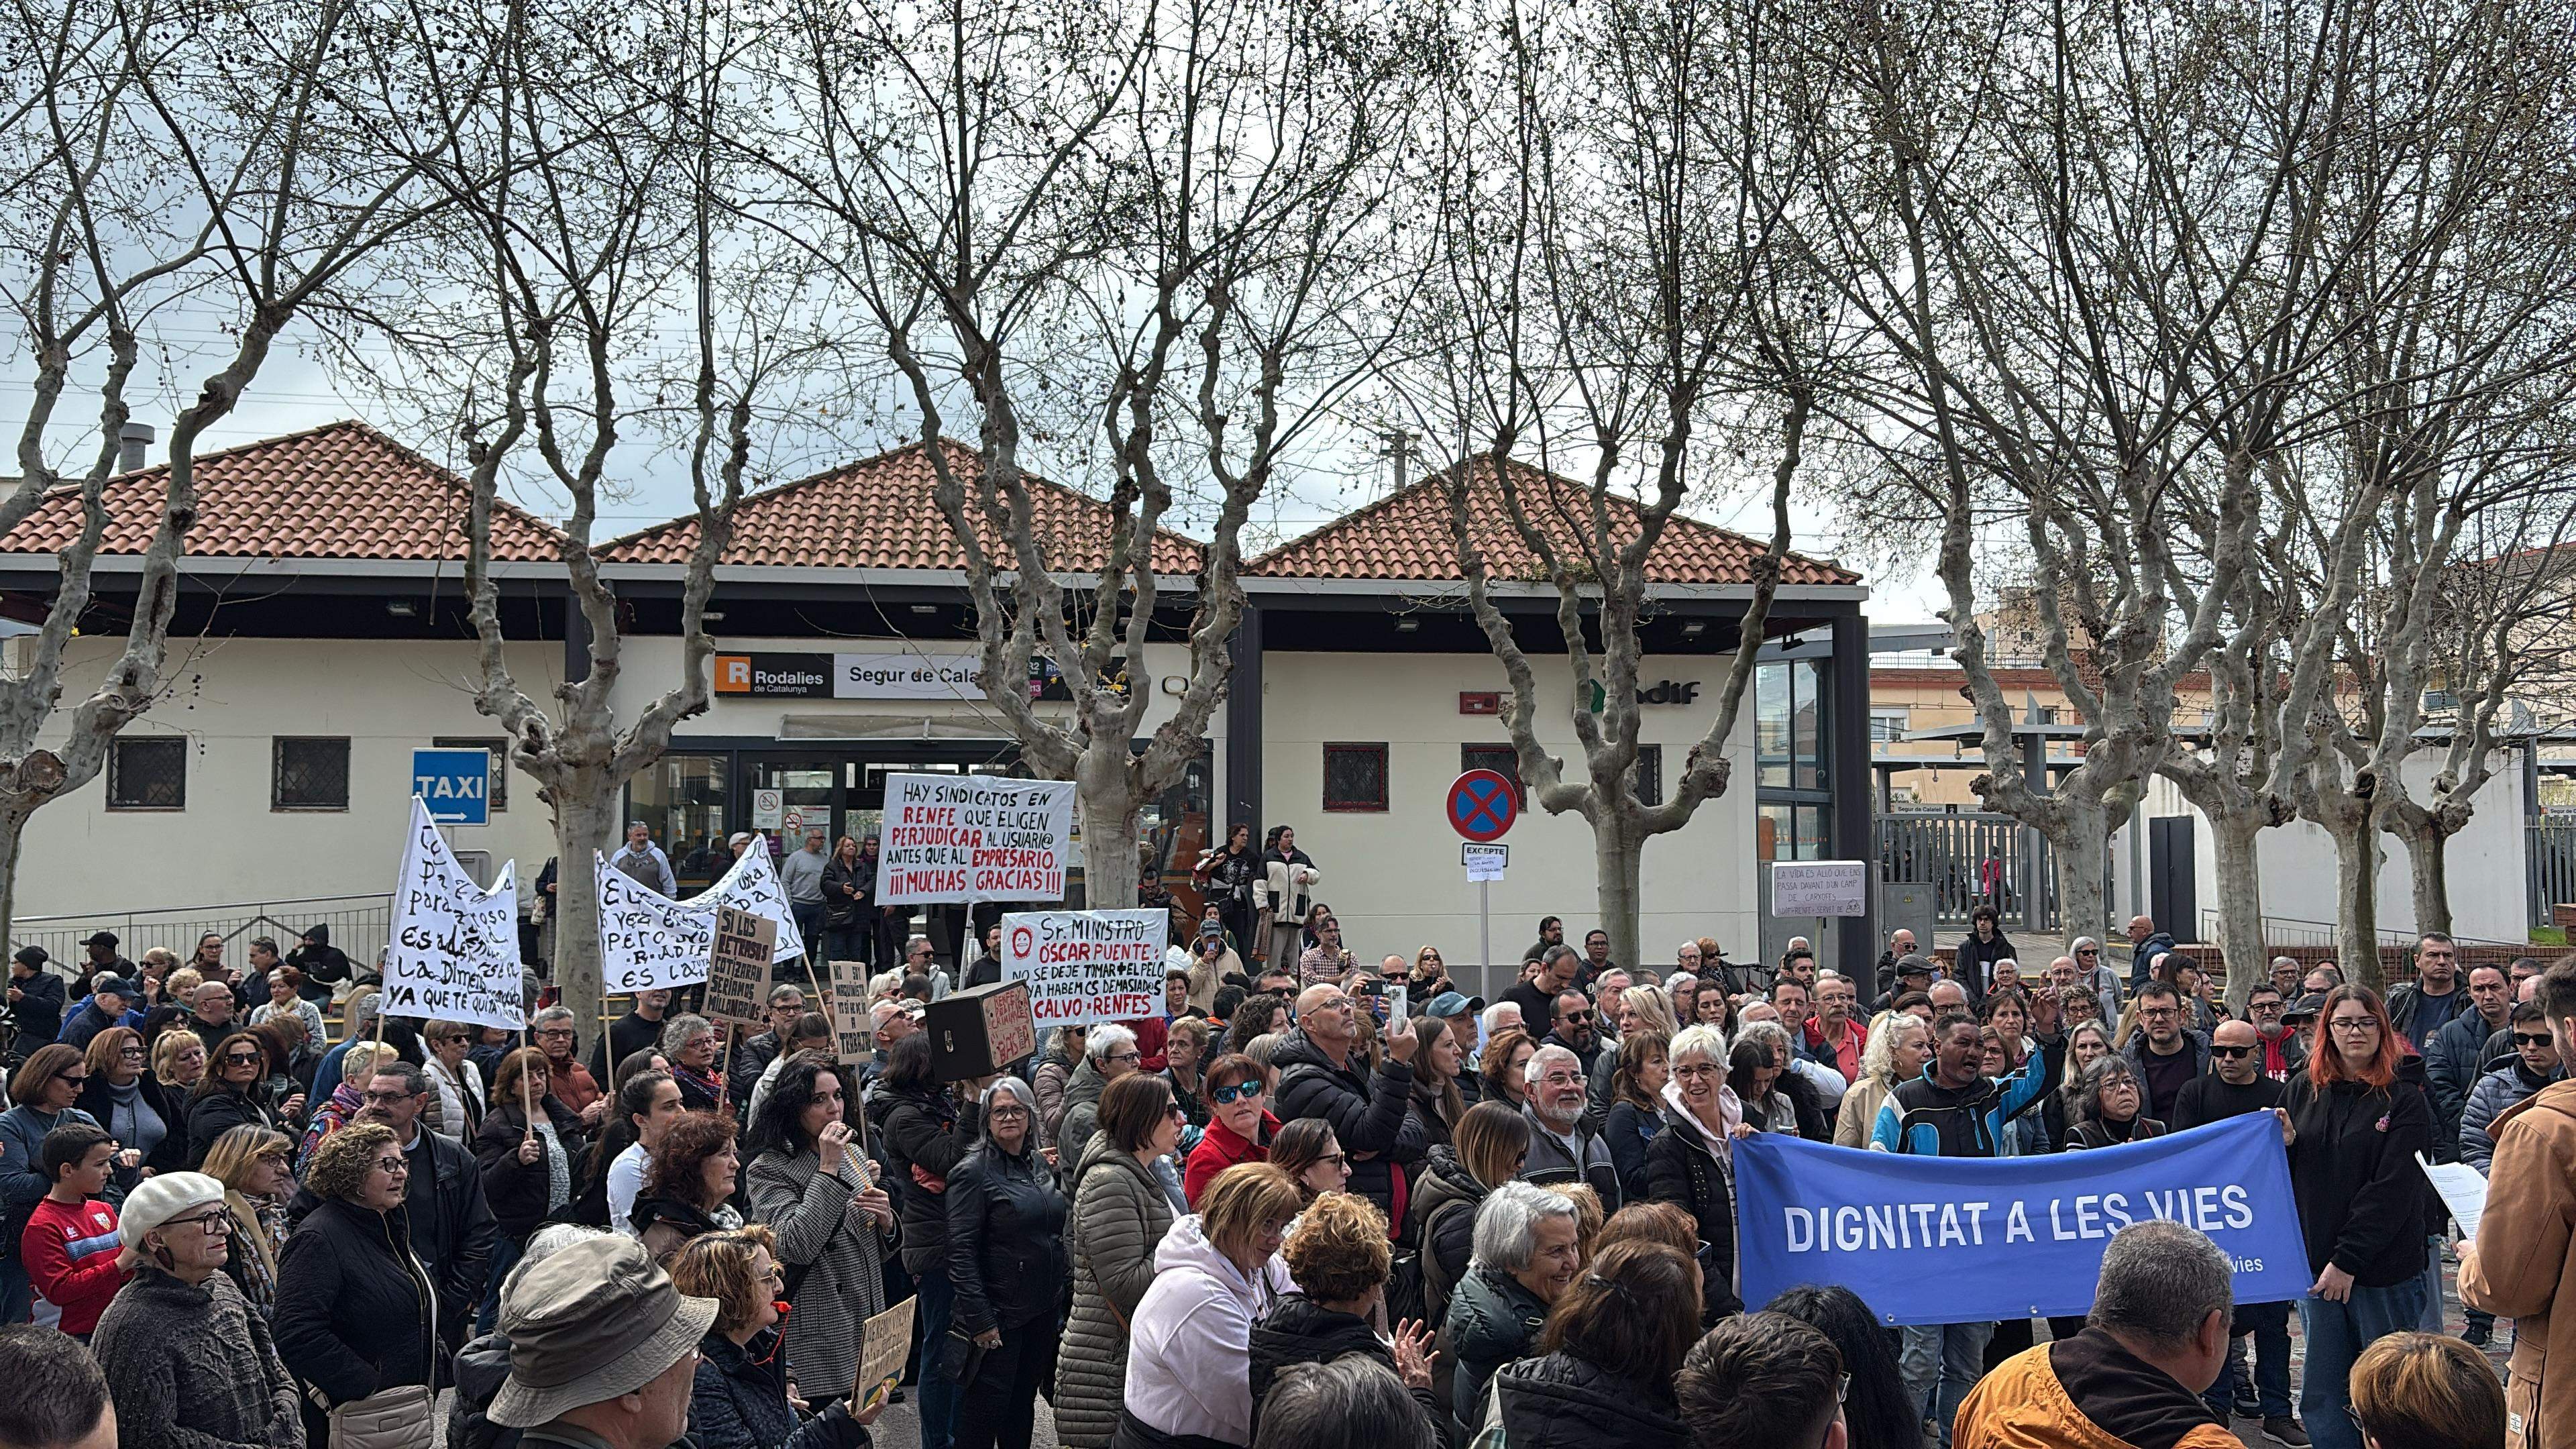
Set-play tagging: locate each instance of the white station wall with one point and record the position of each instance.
(1394, 878)
(231, 698)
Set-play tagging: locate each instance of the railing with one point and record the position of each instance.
(2549, 864)
(1970, 860)
(2282, 933)
(359, 926)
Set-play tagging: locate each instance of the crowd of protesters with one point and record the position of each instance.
(1279, 1212)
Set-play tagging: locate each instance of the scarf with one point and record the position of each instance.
(261, 1228)
(1730, 1114)
(335, 1114)
(711, 1083)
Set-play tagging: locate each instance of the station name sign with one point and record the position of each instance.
(948, 673)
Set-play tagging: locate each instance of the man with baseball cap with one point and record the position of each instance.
(603, 1350)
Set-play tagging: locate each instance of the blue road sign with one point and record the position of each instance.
(1482, 805)
(455, 784)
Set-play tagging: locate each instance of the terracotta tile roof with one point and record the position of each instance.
(877, 513)
(343, 490)
(1406, 536)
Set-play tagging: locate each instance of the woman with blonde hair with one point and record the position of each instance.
(254, 1165)
(1338, 1258)
(1899, 1043)
(1216, 1273)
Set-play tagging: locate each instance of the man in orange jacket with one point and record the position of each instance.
(2155, 1341)
(2519, 1263)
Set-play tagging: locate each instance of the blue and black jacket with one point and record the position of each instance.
(1926, 1119)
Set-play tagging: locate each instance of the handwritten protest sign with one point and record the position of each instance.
(1087, 967)
(853, 1035)
(885, 1341)
(455, 948)
(972, 837)
(647, 939)
(738, 965)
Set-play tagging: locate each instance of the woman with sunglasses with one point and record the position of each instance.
(1308, 1152)
(740, 1399)
(1006, 1260)
(1239, 1128)
(45, 1088)
(236, 1093)
(356, 1310)
(2359, 1115)
(144, 1117)
(179, 1344)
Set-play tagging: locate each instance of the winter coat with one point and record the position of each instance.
(925, 1135)
(2353, 1174)
(1492, 1321)
(1298, 1330)
(451, 1225)
(1924, 1118)
(1119, 1216)
(190, 1366)
(1564, 1402)
(355, 1306)
(2084, 1135)
(1367, 1112)
(222, 1109)
(22, 1158)
(2142, 957)
(1054, 1076)
(516, 1191)
(1440, 1224)
(663, 1223)
(1005, 1239)
(739, 1401)
(1080, 1117)
(841, 910)
(1220, 1149)
(1189, 1352)
(2494, 1092)
(2023, 1404)
(2519, 1266)
(38, 1011)
(1973, 962)
(1285, 887)
(1627, 1131)
(2454, 1060)
(1588, 1161)
(481, 1367)
(842, 1259)
(1681, 1169)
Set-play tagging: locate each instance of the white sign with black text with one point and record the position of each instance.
(1484, 862)
(648, 940)
(454, 953)
(1820, 888)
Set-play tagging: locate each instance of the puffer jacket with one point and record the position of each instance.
(1563, 1402)
(2494, 1092)
(1005, 1247)
(1368, 1112)
(739, 1401)
(482, 1365)
(2454, 1061)
(1445, 1239)
(2022, 1403)
(1299, 1330)
(1079, 1119)
(1492, 1321)
(925, 1135)
(354, 1306)
(1119, 1215)
(1681, 1169)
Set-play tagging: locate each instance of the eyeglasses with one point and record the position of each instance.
(235, 1059)
(1228, 1095)
(2526, 1039)
(1334, 1159)
(131, 1051)
(1129, 1056)
(2231, 1051)
(2158, 1013)
(218, 1221)
(2089, 951)
(554, 1031)
(392, 1166)
(383, 1099)
(2354, 1023)
(1576, 1018)
(68, 1077)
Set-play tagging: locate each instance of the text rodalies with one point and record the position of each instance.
(959, 838)
(1087, 967)
(454, 953)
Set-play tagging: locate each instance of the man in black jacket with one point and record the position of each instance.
(753, 1055)
(1318, 1078)
(35, 1000)
(451, 1225)
(2235, 1085)
(639, 1028)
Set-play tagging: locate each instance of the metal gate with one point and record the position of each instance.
(1972, 859)
(2551, 855)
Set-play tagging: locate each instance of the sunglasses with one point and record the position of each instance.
(235, 1059)
(2523, 1039)
(1229, 1095)
(2231, 1051)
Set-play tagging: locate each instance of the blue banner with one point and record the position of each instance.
(1960, 1240)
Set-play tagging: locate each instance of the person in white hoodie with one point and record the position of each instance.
(1217, 1272)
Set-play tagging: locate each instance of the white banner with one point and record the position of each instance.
(454, 955)
(1087, 967)
(1820, 888)
(647, 939)
(973, 837)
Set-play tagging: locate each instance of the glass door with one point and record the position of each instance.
(810, 795)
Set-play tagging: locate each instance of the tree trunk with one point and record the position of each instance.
(2240, 904)
(13, 829)
(2357, 903)
(1618, 853)
(2083, 844)
(585, 821)
(2428, 853)
(1105, 797)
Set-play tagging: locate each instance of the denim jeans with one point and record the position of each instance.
(2336, 1334)
(2429, 1317)
(1941, 1362)
(808, 916)
(938, 1306)
(17, 1294)
(2268, 1325)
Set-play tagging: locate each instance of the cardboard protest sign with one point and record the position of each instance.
(854, 1037)
(738, 966)
(973, 837)
(885, 1341)
(454, 953)
(647, 939)
(1087, 967)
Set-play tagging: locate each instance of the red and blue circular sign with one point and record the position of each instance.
(1483, 805)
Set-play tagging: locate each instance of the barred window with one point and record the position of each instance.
(149, 772)
(310, 774)
(1649, 775)
(1355, 777)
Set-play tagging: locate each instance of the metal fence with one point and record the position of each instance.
(2549, 863)
(359, 925)
(1969, 860)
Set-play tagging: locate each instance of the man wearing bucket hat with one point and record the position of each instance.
(603, 1350)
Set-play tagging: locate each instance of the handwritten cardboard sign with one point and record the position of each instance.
(885, 1341)
(853, 1035)
(454, 953)
(738, 965)
(973, 837)
(1087, 967)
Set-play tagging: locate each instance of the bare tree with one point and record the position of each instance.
(1157, 229)
(159, 155)
(1615, 281)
